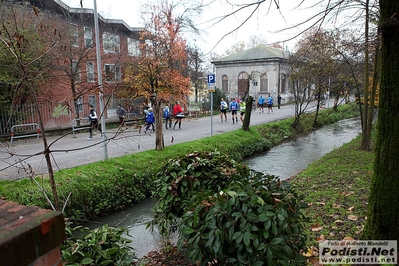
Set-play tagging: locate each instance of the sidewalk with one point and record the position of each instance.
(69, 151)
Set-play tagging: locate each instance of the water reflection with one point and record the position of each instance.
(135, 220)
(291, 158)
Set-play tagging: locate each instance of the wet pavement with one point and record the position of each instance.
(74, 149)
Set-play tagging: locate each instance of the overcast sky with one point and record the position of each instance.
(267, 21)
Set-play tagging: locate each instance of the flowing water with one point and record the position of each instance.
(290, 158)
(284, 161)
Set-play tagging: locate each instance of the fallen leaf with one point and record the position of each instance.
(339, 222)
(321, 238)
(317, 229)
(321, 203)
(276, 200)
(308, 254)
(351, 209)
(352, 217)
(336, 205)
(334, 216)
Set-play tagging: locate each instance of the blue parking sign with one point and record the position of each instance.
(211, 78)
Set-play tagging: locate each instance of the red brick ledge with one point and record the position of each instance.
(28, 233)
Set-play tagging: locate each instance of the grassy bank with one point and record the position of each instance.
(336, 187)
(115, 184)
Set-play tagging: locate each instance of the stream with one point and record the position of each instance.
(284, 161)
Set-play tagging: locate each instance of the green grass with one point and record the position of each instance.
(105, 186)
(336, 187)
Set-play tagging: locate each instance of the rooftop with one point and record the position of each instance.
(258, 53)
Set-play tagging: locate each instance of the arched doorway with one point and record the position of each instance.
(243, 85)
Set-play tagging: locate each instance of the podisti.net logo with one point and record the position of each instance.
(358, 252)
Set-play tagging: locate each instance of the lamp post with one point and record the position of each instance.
(100, 82)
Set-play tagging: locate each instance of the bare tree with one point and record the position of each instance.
(196, 69)
(383, 214)
(29, 51)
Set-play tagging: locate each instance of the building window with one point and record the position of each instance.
(133, 47)
(282, 86)
(264, 83)
(88, 37)
(74, 35)
(92, 101)
(90, 71)
(75, 71)
(79, 103)
(112, 73)
(225, 83)
(111, 42)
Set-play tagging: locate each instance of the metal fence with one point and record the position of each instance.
(60, 115)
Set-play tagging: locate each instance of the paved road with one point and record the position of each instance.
(70, 151)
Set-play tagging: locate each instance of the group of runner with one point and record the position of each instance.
(236, 105)
(269, 102)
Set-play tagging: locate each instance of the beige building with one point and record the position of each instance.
(263, 69)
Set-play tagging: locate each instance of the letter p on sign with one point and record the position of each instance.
(211, 78)
(211, 83)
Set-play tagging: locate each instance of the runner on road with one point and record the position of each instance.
(234, 106)
(223, 110)
(261, 102)
(269, 104)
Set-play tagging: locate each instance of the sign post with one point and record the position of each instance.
(211, 89)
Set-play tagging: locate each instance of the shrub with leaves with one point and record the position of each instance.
(102, 246)
(227, 214)
(252, 222)
(180, 179)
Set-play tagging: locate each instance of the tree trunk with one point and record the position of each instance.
(248, 111)
(336, 100)
(159, 141)
(47, 154)
(75, 104)
(316, 116)
(383, 215)
(366, 127)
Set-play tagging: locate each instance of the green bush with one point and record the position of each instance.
(181, 178)
(102, 246)
(227, 214)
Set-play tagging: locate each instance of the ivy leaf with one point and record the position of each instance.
(86, 261)
(276, 241)
(263, 217)
(188, 231)
(247, 238)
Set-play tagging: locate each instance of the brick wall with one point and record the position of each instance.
(30, 235)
